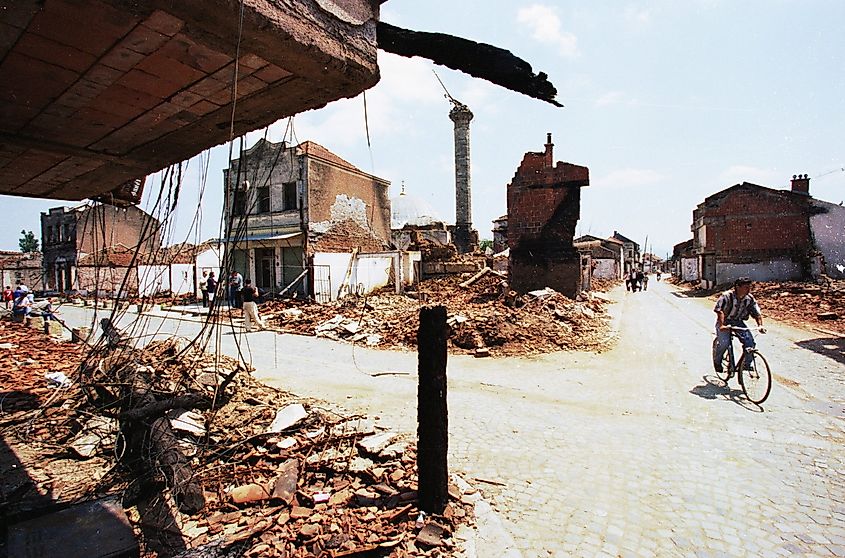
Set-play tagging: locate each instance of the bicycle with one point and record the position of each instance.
(755, 377)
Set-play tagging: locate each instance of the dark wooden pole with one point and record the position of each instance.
(432, 414)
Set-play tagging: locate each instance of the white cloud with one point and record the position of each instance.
(627, 178)
(736, 174)
(611, 98)
(544, 25)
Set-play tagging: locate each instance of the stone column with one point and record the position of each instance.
(461, 116)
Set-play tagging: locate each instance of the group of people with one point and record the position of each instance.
(21, 301)
(240, 293)
(636, 280)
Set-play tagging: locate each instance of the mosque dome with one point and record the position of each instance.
(410, 210)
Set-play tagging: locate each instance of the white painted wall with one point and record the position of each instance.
(828, 230)
(408, 275)
(689, 269)
(369, 271)
(157, 279)
(775, 270)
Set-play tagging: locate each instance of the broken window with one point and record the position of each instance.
(239, 202)
(50, 234)
(67, 232)
(263, 202)
(289, 196)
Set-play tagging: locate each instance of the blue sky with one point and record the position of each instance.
(666, 103)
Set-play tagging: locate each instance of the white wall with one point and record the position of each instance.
(408, 275)
(829, 234)
(774, 270)
(157, 279)
(369, 271)
(207, 261)
(689, 269)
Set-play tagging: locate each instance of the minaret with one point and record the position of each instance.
(463, 239)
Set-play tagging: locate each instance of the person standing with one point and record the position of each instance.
(236, 285)
(8, 296)
(204, 289)
(659, 273)
(250, 305)
(211, 290)
(645, 281)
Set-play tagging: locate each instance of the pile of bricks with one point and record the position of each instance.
(482, 316)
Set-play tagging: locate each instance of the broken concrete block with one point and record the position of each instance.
(374, 444)
(249, 493)
(356, 426)
(286, 443)
(827, 316)
(99, 431)
(187, 421)
(329, 455)
(291, 312)
(310, 530)
(287, 417)
(432, 535)
(394, 450)
(482, 352)
(360, 464)
(54, 328)
(298, 512)
(80, 334)
(284, 487)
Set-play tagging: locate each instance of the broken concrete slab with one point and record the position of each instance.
(249, 493)
(184, 420)
(357, 426)
(287, 417)
(394, 450)
(376, 443)
(432, 535)
(99, 431)
(97, 529)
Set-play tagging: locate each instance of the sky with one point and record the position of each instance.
(666, 102)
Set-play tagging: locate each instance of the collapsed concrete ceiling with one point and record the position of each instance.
(96, 93)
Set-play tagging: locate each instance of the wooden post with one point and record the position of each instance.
(432, 413)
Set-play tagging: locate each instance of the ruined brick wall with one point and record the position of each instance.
(103, 226)
(106, 280)
(753, 224)
(346, 209)
(544, 204)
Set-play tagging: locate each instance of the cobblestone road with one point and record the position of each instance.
(639, 451)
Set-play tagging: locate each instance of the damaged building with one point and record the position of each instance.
(71, 236)
(768, 234)
(292, 210)
(544, 204)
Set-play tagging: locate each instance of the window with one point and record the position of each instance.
(239, 202)
(67, 232)
(289, 196)
(263, 202)
(50, 235)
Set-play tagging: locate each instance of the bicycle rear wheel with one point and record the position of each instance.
(755, 377)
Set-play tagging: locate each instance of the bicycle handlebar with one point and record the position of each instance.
(735, 328)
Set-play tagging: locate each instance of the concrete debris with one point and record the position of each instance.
(99, 432)
(486, 314)
(286, 418)
(284, 487)
(187, 421)
(376, 443)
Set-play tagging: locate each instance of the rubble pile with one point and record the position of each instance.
(804, 303)
(277, 475)
(485, 318)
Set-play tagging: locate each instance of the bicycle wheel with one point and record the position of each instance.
(755, 377)
(724, 375)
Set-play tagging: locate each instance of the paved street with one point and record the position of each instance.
(639, 451)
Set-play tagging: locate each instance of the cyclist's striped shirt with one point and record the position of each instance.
(737, 310)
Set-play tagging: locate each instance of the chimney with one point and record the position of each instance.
(549, 159)
(801, 184)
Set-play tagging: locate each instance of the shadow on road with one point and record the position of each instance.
(714, 388)
(831, 347)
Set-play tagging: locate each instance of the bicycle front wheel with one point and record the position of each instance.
(755, 377)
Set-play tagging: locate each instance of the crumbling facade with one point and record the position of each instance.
(606, 255)
(632, 256)
(21, 266)
(286, 203)
(544, 204)
(69, 234)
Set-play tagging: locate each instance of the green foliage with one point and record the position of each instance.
(485, 244)
(28, 242)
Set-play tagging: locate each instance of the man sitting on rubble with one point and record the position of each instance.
(732, 309)
(23, 303)
(46, 309)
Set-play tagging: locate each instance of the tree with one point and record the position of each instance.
(485, 244)
(28, 242)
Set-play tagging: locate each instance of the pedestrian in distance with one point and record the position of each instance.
(645, 281)
(211, 289)
(204, 289)
(658, 274)
(236, 285)
(250, 303)
(8, 296)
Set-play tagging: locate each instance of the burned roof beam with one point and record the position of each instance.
(480, 60)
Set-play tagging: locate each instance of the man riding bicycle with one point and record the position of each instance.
(732, 309)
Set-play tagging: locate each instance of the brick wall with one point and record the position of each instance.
(544, 203)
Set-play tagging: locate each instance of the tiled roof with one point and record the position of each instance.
(317, 150)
